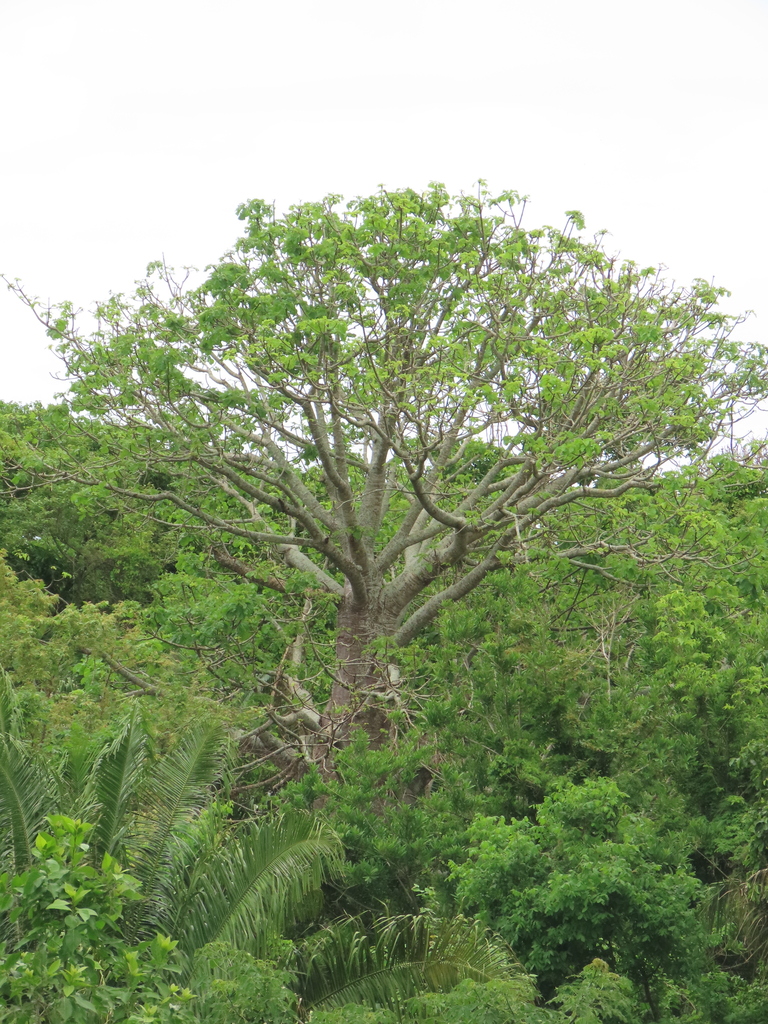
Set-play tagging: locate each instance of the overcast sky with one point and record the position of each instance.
(133, 130)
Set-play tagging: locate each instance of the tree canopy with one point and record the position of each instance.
(387, 401)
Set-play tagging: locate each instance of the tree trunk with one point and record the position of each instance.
(362, 682)
(360, 676)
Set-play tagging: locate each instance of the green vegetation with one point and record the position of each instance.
(383, 632)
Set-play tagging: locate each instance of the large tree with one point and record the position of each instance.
(396, 398)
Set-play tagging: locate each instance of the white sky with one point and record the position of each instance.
(132, 130)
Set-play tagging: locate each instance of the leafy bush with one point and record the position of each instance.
(65, 957)
(589, 880)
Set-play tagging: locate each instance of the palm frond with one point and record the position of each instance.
(255, 882)
(736, 914)
(9, 709)
(73, 779)
(26, 796)
(405, 956)
(175, 790)
(116, 776)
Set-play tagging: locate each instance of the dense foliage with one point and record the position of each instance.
(383, 636)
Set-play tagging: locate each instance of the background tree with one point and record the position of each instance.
(588, 879)
(395, 400)
(83, 549)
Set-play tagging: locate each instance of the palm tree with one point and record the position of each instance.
(204, 880)
(240, 883)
